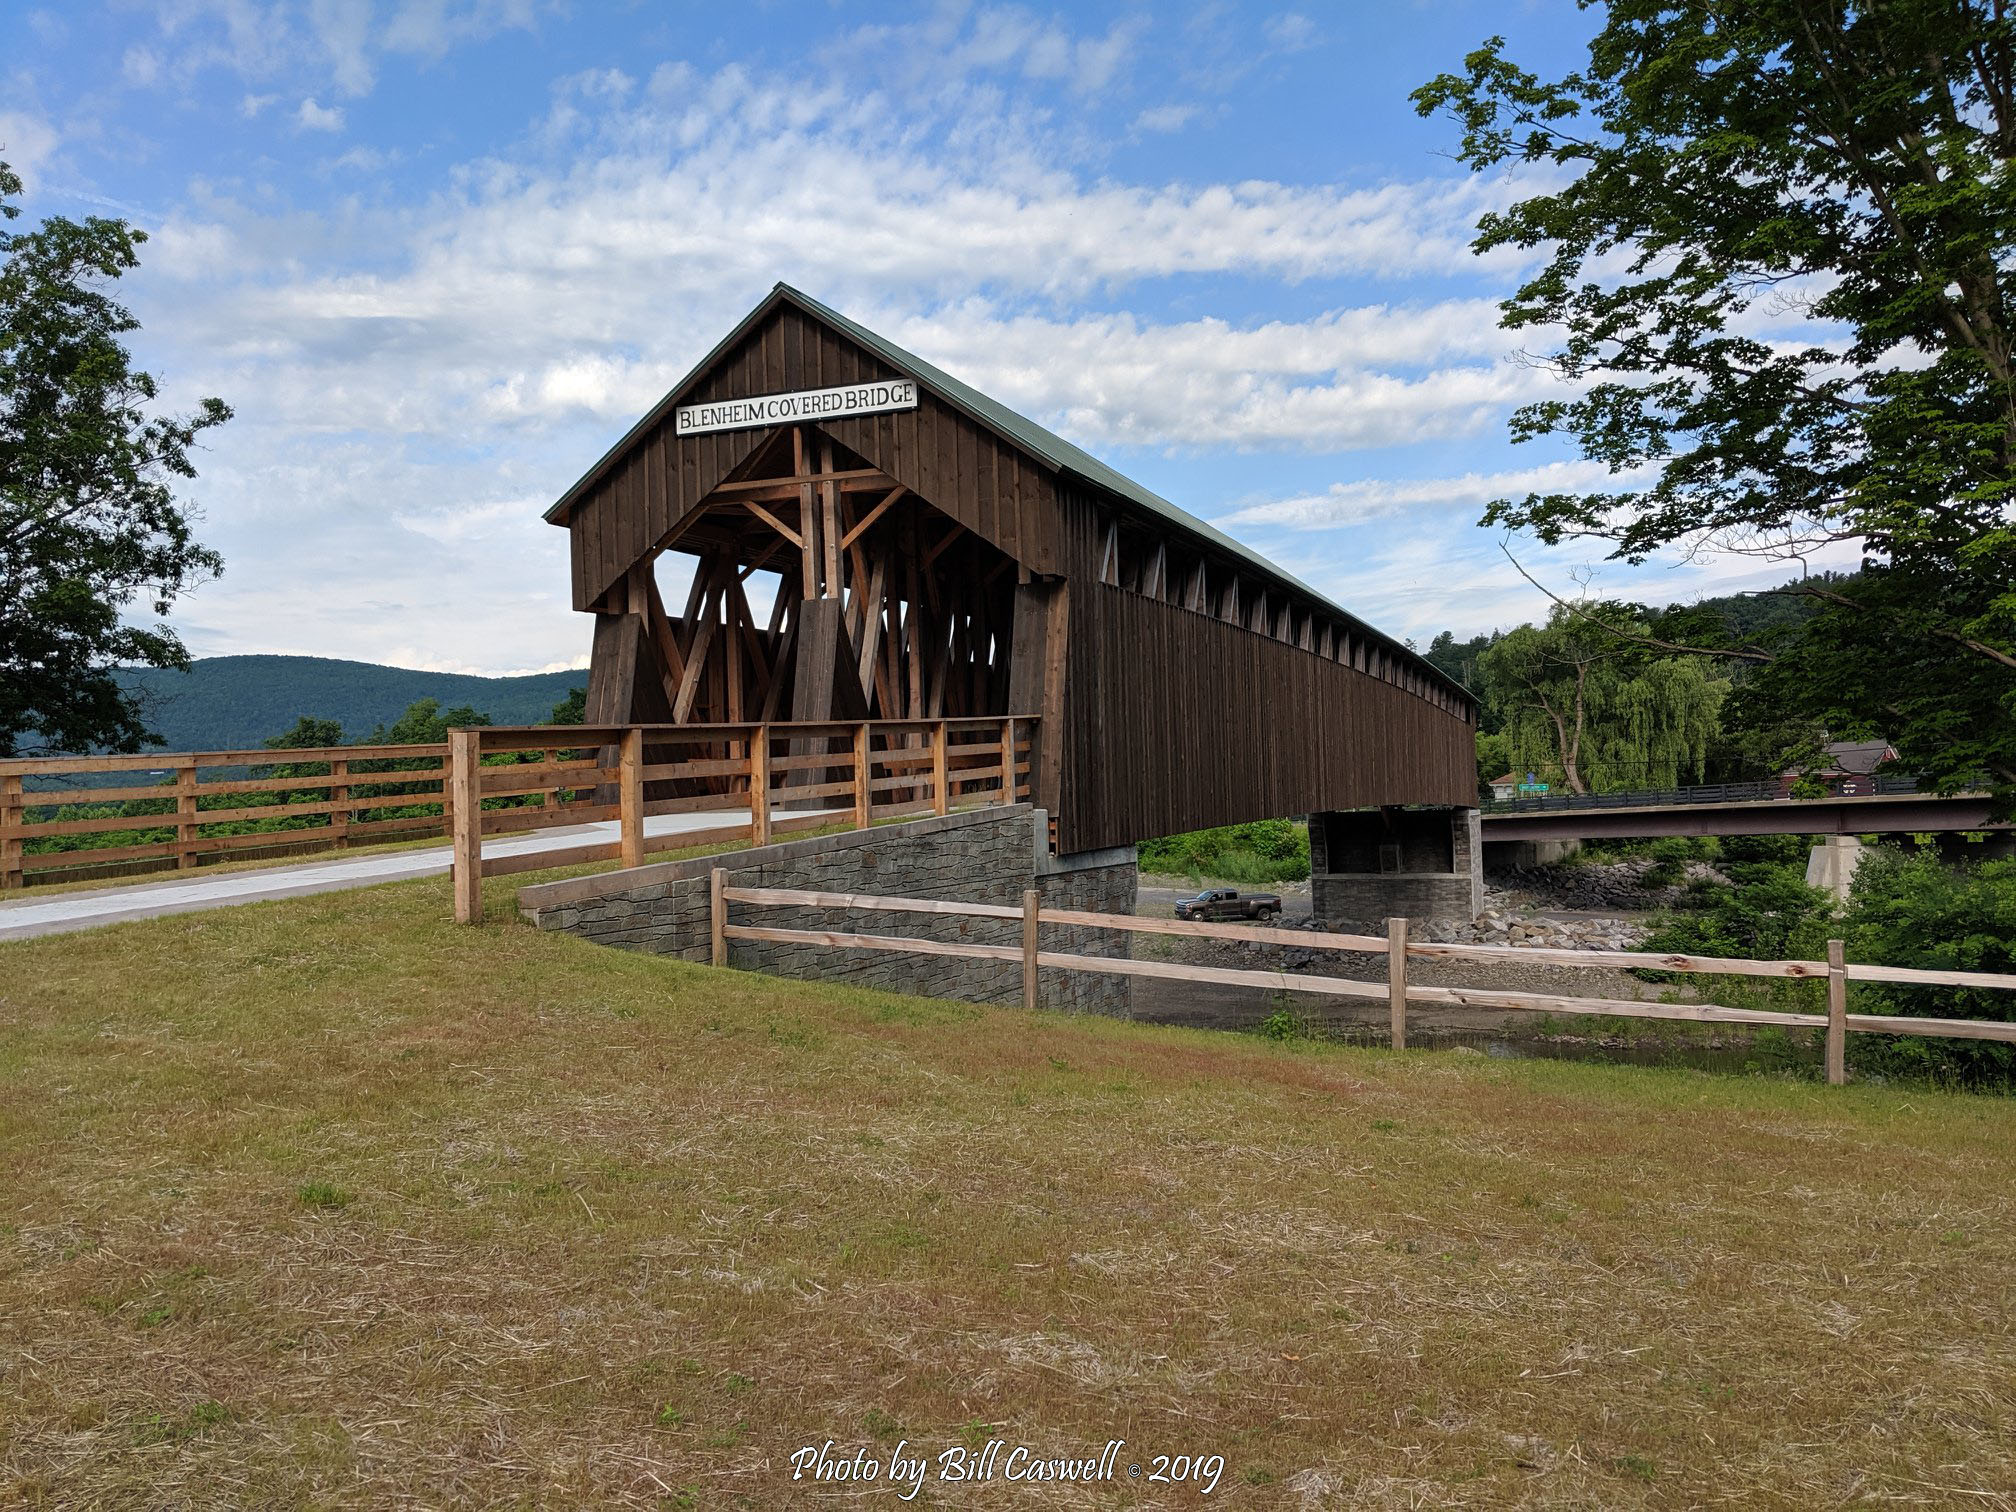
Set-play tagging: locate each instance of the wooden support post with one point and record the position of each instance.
(1396, 979)
(864, 792)
(759, 786)
(339, 792)
(718, 914)
(465, 753)
(185, 818)
(1032, 904)
(1008, 760)
(1837, 1014)
(941, 790)
(631, 797)
(12, 818)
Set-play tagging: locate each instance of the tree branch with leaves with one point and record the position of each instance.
(90, 527)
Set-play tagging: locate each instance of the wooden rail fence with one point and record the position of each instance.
(1398, 949)
(822, 774)
(169, 803)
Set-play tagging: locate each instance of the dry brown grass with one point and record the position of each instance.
(328, 1203)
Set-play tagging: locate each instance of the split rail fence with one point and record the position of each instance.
(821, 774)
(1398, 950)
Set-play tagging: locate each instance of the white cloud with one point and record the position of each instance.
(415, 382)
(1164, 118)
(141, 66)
(1377, 498)
(1290, 31)
(313, 117)
(327, 45)
(27, 142)
(957, 41)
(252, 104)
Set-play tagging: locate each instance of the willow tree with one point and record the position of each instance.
(1582, 698)
(1777, 270)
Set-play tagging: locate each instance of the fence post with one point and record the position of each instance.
(464, 755)
(1396, 979)
(941, 790)
(1032, 902)
(759, 787)
(12, 819)
(630, 771)
(864, 792)
(339, 792)
(1837, 1014)
(185, 817)
(1008, 759)
(717, 899)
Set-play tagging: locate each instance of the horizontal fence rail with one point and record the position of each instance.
(1398, 949)
(761, 779)
(1719, 792)
(67, 818)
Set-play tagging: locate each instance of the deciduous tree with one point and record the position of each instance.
(1780, 257)
(90, 528)
(1578, 697)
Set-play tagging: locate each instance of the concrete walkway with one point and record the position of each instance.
(188, 892)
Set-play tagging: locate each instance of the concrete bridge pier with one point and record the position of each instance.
(1832, 864)
(1524, 855)
(1369, 865)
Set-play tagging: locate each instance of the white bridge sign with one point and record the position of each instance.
(807, 404)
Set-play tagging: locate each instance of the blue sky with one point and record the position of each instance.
(437, 254)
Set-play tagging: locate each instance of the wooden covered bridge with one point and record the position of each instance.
(938, 555)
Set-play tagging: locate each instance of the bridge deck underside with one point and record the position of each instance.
(1914, 814)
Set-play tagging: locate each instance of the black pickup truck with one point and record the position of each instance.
(1224, 903)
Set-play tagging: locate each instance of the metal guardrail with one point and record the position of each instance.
(1719, 792)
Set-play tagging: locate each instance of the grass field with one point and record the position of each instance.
(329, 1203)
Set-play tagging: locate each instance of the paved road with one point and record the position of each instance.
(61, 912)
(1163, 900)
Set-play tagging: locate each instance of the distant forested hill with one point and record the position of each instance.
(225, 703)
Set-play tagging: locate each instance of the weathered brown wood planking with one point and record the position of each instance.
(935, 451)
(1176, 720)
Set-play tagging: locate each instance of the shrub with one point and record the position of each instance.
(1917, 910)
(1265, 850)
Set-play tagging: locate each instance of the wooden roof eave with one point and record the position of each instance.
(563, 508)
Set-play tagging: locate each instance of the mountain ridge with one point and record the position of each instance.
(229, 703)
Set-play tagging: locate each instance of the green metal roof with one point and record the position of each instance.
(1046, 446)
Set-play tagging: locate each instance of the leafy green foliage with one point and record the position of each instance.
(425, 722)
(1601, 712)
(573, 709)
(89, 522)
(308, 734)
(1719, 170)
(1907, 909)
(1266, 850)
(1916, 910)
(1767, 913)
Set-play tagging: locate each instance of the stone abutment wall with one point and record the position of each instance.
(988, 856)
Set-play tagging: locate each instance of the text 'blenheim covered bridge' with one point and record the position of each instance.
(941, 555)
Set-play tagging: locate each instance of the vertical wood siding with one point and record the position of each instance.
(1176, 721)
(936, 451)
